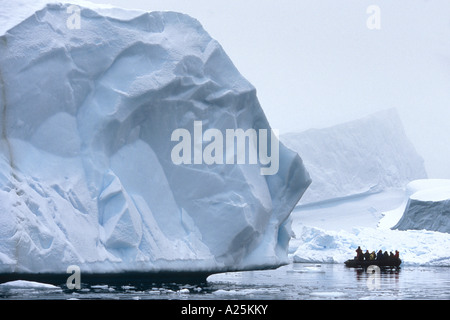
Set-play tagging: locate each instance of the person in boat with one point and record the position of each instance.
(391, 257)
(359, 254)
(372, 255)
(397, 254)
(386, 256)
(380, 255)
(367, 255)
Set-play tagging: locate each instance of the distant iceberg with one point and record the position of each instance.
(358, 157)
(428, 206)
(86, 174)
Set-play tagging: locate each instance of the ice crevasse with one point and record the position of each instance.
(85, 166)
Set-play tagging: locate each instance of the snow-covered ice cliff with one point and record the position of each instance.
(427, 207)
(362, 156)
(88, 107)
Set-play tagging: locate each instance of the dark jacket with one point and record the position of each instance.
(380, 255)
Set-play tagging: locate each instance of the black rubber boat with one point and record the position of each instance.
(383, 264)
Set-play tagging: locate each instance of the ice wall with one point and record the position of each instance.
(86, 175)
(365, 155)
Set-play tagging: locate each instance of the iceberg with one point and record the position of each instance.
(89, 98)
(427, 206)
(359, 157)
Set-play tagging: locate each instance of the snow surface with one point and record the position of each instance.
(364, 211)
(359, 157)
(27, 284)
(85, 169)
(429, 189)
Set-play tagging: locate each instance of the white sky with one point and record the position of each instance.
(315, 63)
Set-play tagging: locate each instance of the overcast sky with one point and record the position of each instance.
(316, 63)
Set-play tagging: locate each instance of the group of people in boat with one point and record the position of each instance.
(379, 256)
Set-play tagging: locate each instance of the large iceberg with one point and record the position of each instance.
(89, 101)
(363, 156)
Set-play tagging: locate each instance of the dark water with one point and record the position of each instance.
(292, 282)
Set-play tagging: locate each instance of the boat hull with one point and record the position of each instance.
(367, 263)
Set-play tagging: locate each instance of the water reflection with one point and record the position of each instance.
(292, 282)
(376, 278)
